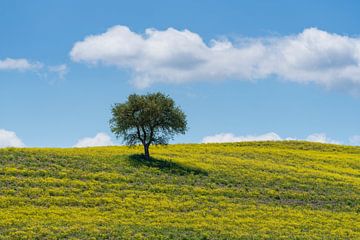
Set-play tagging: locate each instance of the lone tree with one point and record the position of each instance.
(147, 119)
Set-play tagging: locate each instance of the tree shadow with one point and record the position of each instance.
(165, 166)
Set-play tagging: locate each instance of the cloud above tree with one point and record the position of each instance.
(177, 56)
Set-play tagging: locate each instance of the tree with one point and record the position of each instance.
(147, 119)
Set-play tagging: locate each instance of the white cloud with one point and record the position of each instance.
(20, 64)
(354, 140)
(47, 72)
(271, 136)
(101, 139)
(175, 56)
(321, 138)
(9, 139)
(229, 137)
(60, 70)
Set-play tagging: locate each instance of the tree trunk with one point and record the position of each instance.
(146, 150)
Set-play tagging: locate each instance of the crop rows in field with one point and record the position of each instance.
(274, 190)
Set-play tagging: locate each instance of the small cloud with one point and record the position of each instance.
(60, 70)
(9, 139)
(354, 140)
(321, 138)
(229, 137)
(51, 73)
(271, 136)
(101, 139)
(20, 64)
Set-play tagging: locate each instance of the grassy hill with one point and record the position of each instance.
(258, 190)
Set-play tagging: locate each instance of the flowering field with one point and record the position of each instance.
(258, 190)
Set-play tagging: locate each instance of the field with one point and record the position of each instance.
(258, 190)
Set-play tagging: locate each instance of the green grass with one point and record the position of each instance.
(258, 190)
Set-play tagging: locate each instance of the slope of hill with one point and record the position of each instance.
(258, 190)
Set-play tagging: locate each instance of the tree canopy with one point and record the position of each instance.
(147, 119)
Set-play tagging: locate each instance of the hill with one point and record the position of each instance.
(258, 190)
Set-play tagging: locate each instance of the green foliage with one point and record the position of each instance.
(259, 190)
(147, 119)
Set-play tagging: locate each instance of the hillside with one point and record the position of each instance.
(258, 190)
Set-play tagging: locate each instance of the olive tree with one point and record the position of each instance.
(147, 119)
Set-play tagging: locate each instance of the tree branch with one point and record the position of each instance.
(139, 135)
(151, 135)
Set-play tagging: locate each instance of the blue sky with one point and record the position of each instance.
(241, 70)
